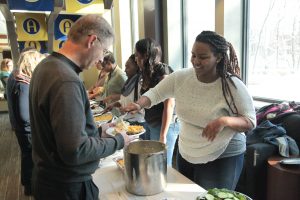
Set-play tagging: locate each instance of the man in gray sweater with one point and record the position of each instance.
(65, 141)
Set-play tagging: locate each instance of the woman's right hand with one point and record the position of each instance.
(131, 107)
(109, 107)
(213, 128)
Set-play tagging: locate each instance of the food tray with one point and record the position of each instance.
(105, 117)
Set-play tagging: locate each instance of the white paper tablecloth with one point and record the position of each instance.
(110, 181)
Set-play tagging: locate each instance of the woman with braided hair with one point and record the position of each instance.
(160, 124)
(214, 108)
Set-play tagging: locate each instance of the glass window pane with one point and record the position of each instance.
(274, 49)
(200, 16)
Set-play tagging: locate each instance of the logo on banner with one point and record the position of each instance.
(31, 26)
(34, 44)
(57, 44)
(84, 6)
(85, 1)
(61, 44)
(65, 25)
(35, 5)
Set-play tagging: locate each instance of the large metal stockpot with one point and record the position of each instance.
(145, 167)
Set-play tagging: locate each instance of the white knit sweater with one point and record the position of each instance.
(197, 104)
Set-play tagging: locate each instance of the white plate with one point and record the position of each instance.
(111, 131)
(93, 102)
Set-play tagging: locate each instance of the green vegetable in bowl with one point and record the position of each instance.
(223, 194)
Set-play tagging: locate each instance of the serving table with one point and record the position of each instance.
(111, 183)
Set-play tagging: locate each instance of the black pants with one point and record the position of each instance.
(44, 190)
(24, 141)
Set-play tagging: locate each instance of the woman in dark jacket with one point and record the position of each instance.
(17, 98)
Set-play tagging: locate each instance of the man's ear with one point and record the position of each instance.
(91, 40)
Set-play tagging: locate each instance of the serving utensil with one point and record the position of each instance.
(121, 117)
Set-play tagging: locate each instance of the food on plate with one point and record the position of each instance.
(120, 163)
(104, 117)
(219, 194)
(135, 129)
(121, 126)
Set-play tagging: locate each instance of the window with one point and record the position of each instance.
(274, 49)
(199, 15)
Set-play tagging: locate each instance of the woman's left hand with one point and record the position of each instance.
(213, 128)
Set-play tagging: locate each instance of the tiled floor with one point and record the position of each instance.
(10, 187)
(3, 106)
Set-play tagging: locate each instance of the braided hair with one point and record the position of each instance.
(228, 65)
(149, 48)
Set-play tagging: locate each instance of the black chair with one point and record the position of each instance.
(253, 180)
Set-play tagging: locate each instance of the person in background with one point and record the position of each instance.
(115, 79)
(6, 69)
(18, 97)
(159, 117)
(97, 89)
(214, 108)
(130, 91)
(9, 105)
(66, 147)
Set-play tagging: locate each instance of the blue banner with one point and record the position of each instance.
(33, 5)
(41, 46)
(62, 25)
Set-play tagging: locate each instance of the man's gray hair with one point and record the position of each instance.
(91, 24)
